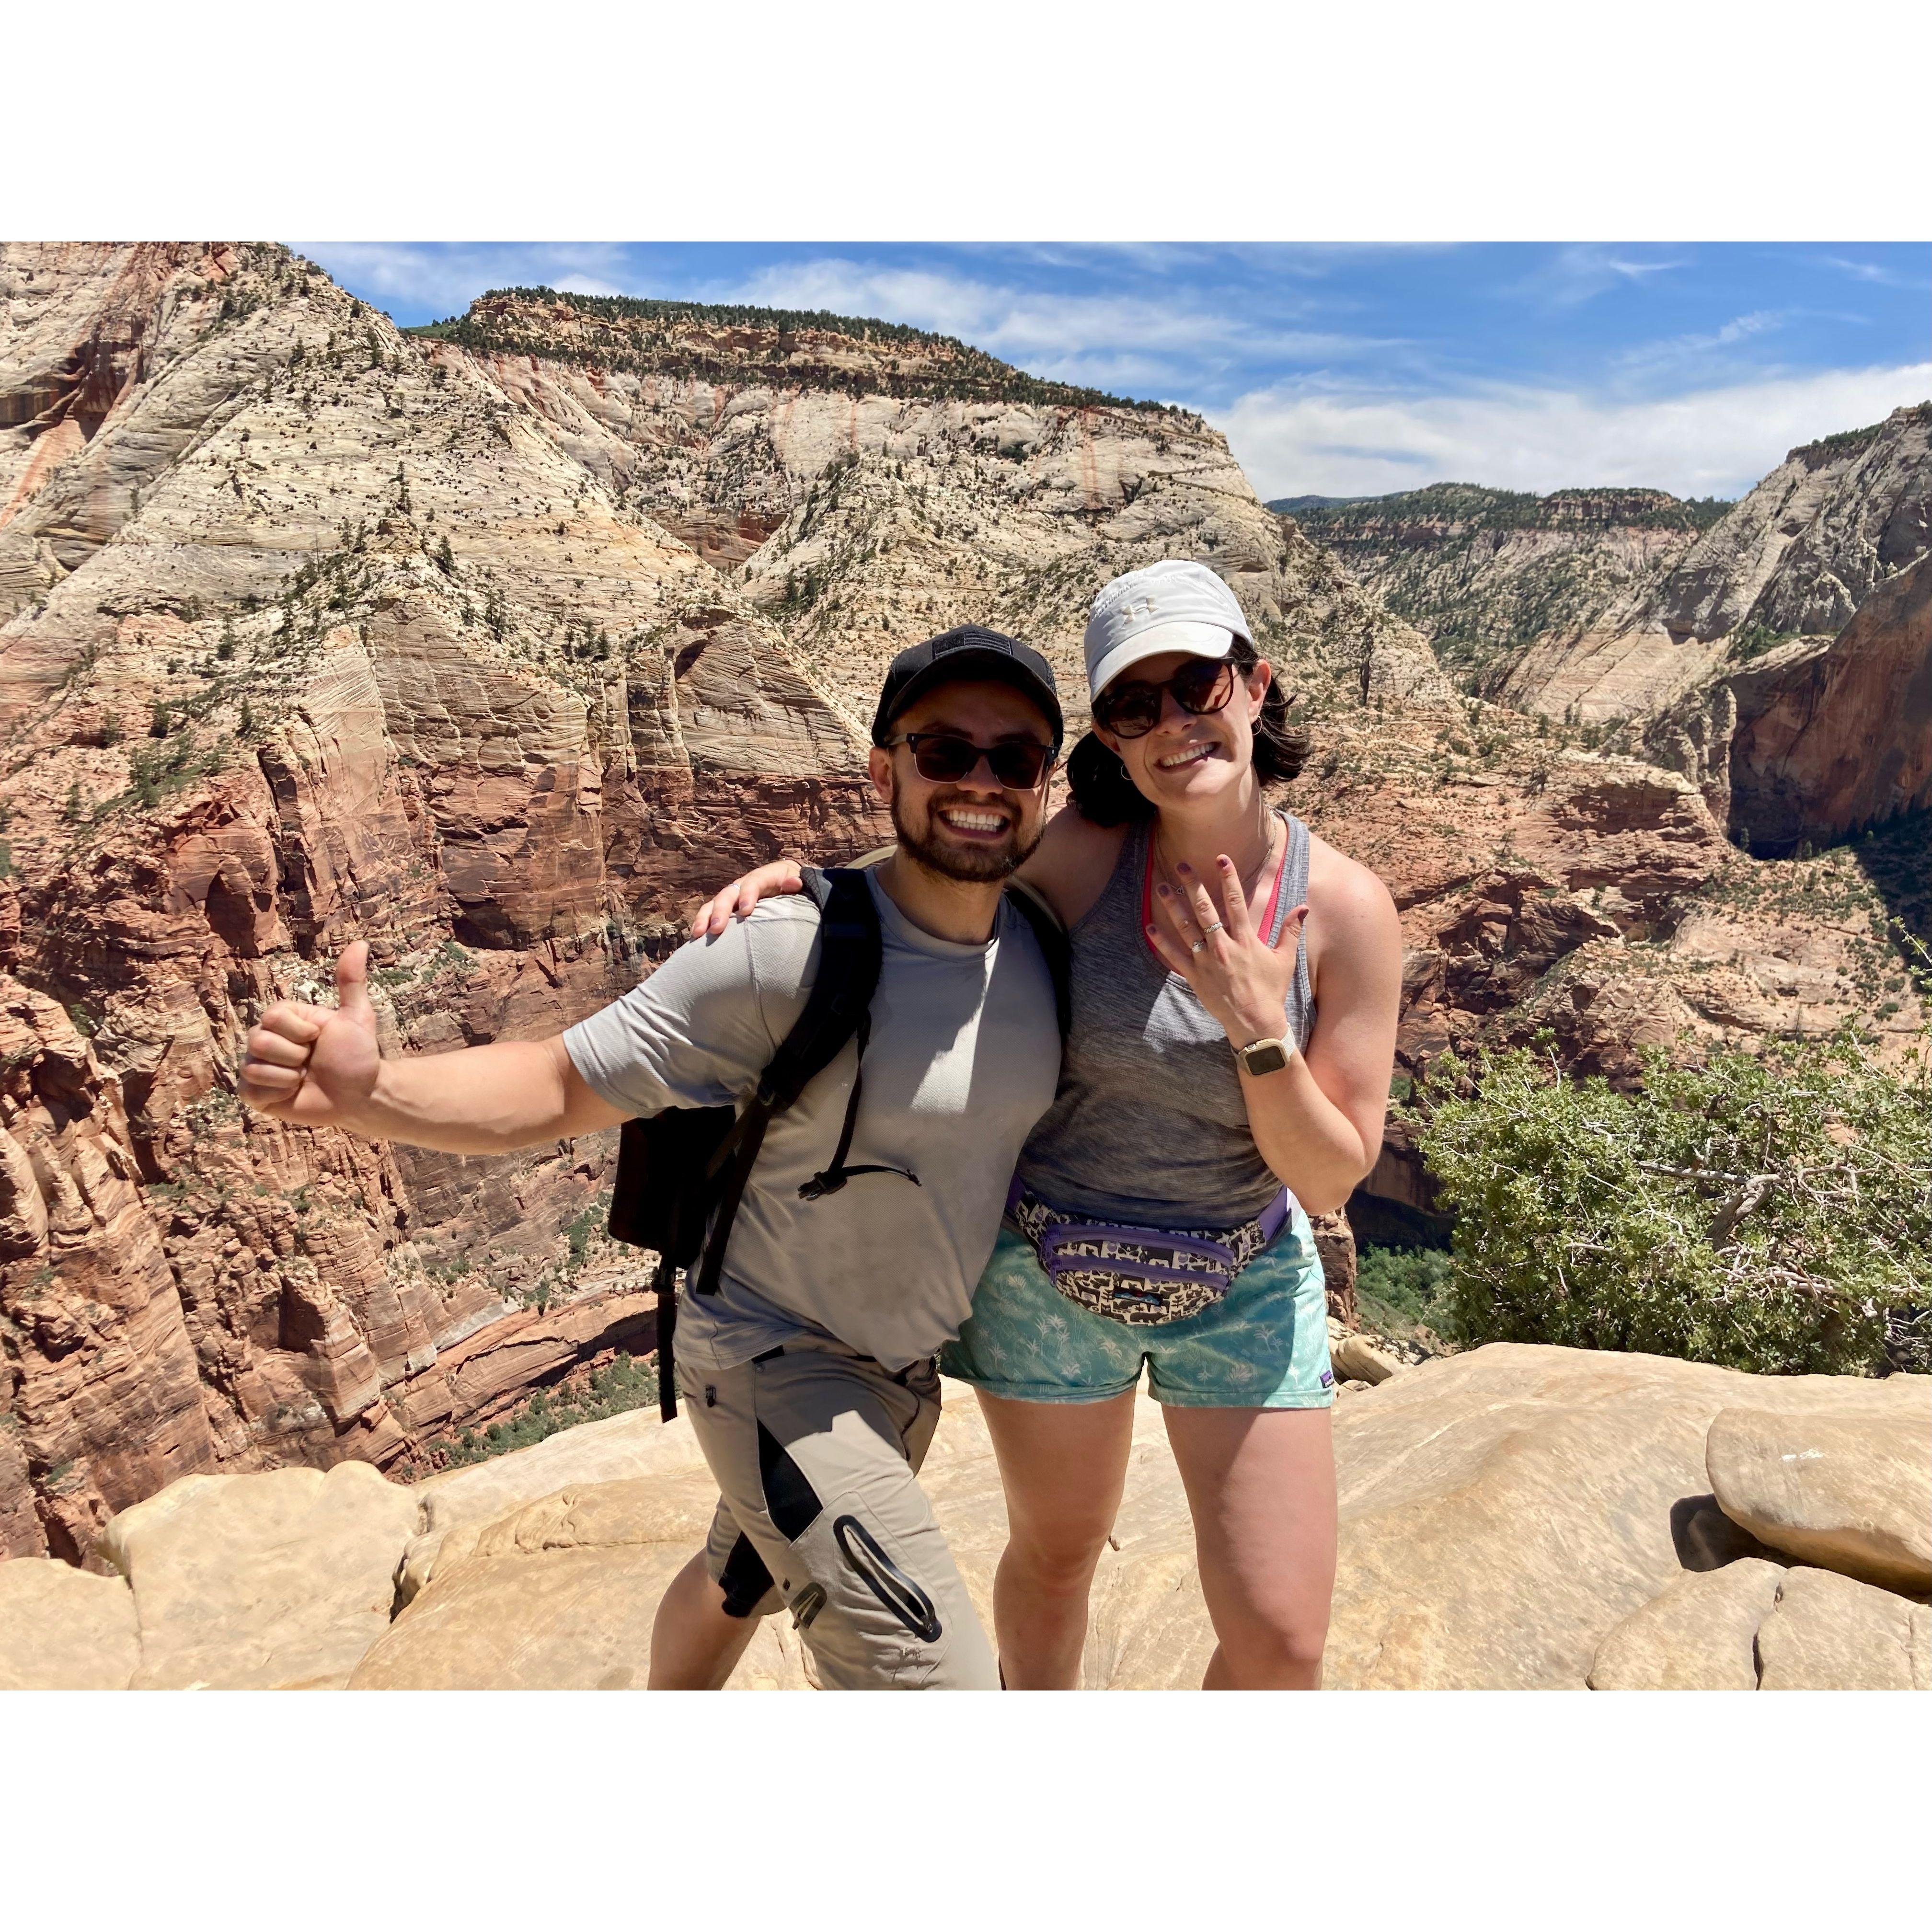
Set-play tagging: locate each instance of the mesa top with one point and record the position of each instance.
(964, 1049)
(1150, 1128)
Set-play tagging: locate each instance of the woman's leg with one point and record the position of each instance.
(1063, 1464)
(1260, 1483)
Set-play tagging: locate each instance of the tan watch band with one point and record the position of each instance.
(1264, 1056)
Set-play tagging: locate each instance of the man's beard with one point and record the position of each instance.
(971, 865)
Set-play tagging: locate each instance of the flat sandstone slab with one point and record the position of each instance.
(278, 1581)
(61, 1629)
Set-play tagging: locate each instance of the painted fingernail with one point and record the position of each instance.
(1183, 867)
(1227, 865)
(1163, 891)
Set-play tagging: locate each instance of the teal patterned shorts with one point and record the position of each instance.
(1263, 1345)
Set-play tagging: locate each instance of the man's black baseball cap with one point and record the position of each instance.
(964, 656)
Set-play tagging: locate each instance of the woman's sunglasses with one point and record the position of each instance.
(1132, 710)
(1019, 764)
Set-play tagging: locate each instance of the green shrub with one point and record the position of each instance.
(622, 1384)
(1770, 1213)
(1399, 1290)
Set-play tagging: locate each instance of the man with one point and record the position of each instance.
(808, 1376)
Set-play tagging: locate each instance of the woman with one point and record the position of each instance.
(1226, 1074)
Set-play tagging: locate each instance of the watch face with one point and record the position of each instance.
(1270, 1058)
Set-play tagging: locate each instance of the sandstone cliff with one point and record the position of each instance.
(1814, 738)
(1833, 737)
(314, 633)
(872, 486)
(1800, 554)
(1795, 557)
(1485, 574)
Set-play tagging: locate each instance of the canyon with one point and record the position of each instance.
(314, 633)
(495, 643)
(1608, 604)
(1488, 574)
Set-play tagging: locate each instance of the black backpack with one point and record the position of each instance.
(681, 1173)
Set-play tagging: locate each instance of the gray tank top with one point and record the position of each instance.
(1148, 1127)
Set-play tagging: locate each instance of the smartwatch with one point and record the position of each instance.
(1264, 1056)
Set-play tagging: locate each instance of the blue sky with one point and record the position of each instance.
(1344, 370)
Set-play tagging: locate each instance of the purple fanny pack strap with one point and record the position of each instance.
(1274, 1217)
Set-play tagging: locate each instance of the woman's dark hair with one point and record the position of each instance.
(1103, 792)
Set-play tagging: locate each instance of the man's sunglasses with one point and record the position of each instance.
(1132, 709)
(1019, 764)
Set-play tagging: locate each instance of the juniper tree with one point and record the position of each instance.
(1771, 1212)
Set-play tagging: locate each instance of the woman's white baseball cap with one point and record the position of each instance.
(1168, 606)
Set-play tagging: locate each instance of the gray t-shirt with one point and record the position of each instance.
(964, 1057)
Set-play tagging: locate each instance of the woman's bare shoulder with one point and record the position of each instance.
(1346, 902)
(1072, 862)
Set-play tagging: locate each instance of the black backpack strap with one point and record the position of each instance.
(836, 1010)
(829, 1180)
(663, 1286)
(1051, 936)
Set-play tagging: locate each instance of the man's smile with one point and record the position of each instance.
(975, 822)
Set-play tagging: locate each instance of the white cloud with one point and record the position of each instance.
(1584, 270)
(446, 279)
(1332, 441)
(1884, 277)
(1739, 329)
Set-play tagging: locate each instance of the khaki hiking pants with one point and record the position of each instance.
(816, 1448)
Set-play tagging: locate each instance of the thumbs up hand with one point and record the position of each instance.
(317, 1065)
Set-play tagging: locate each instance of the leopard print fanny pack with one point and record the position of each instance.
(1144, 1277)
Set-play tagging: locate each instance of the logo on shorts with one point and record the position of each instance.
(1327, 1378)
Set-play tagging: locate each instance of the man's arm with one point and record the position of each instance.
(1070, 866)
(319, 1066)
(697, 1033)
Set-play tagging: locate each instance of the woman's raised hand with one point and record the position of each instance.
(763, 882)
(1208, 937)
